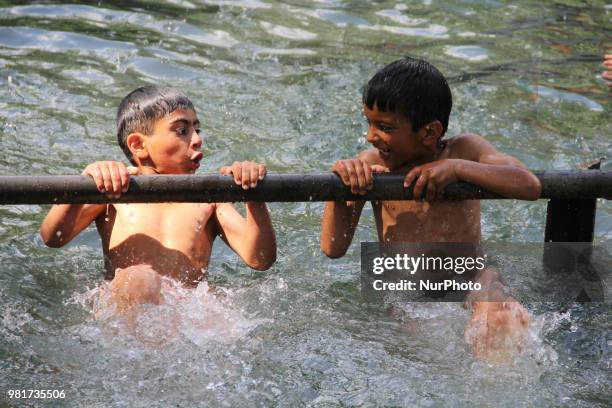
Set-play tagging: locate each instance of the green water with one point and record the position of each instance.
(279, 82)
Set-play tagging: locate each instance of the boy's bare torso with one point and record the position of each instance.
(421, 221)
(174, 238)
(411, 221)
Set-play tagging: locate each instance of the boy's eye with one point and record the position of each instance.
(197, 131)
(181, 131)
(384, 127)
(381, 126)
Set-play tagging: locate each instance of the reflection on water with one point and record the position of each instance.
(280, 82)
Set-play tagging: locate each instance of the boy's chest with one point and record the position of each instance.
(411, 221)
(173, 224)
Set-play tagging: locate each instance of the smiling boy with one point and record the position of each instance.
(159, 132)
(407, 105)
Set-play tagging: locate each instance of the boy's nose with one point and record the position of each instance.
(371, 135)
(196, 140)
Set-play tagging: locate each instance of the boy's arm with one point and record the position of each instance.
(478, 163)
(340, 218)
(65, 221)
(252, 238)
(338, 226)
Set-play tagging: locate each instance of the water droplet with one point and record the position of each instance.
(58, 233)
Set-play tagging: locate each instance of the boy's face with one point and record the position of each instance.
(174, 146)
(392, 135)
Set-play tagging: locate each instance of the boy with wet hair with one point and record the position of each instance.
(407, 105)
(159, 131)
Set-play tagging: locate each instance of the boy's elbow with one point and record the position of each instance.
(263, 263)
(51, 240)
(332, 252)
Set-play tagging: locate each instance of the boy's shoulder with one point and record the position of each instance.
(467, 146)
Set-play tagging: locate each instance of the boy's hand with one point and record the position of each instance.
(245, 173)
(357, 174)
(435, 176)
(111, 177)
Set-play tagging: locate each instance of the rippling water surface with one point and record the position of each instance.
(280, 82)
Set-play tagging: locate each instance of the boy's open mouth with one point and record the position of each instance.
(195, 159)
(384, 152)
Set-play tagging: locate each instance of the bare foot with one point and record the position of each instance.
(497, 330)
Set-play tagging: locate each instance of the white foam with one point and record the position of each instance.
(201, 315)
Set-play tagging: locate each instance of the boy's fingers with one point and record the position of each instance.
(106, 177)
(125, 178)
(237, 172)
(368, 176)
(340, 169)
(412, 174)
(132, 170)
(115, 178)
(361, 180)
(254, 174)
(93, 171)
(262, 171)
(377, 168)
(225, 170)
(246, 176)
(418, 187)
(350, 170)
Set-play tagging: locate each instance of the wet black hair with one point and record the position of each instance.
(413, 88)
(139, 110)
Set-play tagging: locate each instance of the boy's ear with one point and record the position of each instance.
(136, 142)
(431, 133)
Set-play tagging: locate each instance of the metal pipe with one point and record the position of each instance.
(275, 187)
